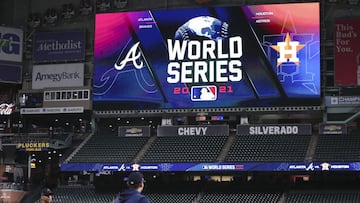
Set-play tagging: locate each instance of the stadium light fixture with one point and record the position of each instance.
(353, 2)
(120, 3)
(202, 1)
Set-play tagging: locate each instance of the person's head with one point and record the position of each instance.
(135, 180)
(46, 195)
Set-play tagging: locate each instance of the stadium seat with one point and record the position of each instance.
(338, 148)
(184, 149)
(109, 149)
(261, 148)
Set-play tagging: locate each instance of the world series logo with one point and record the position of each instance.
(201, 52)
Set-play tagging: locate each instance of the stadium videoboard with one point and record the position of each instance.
(240, 56)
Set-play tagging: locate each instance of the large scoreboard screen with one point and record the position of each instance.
(240, 56)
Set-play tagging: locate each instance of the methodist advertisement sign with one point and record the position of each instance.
(347, 52)
(241, 56)
(274, 129)
(59, 46)
(11, 49)
(58, 75)
(200, 130)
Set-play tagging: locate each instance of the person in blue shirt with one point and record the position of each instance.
(135, 183)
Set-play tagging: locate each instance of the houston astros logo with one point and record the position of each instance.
(131, 56)
(288, 51)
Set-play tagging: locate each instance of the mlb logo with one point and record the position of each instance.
(204, 93)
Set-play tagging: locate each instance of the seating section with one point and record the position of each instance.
(338, 148)
(246, 148)
(174, 192)
(178, 197)
(109, 149)
(80, 194)
(256, 148)
(238, 191)
(326, 196)
(184, 149)
(249, 197)
(86, 194)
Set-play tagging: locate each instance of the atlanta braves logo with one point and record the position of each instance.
(130, 62)
(132, 56)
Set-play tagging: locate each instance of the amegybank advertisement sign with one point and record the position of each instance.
(58, 75)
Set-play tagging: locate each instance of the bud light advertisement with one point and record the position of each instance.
(347, 51)
(241, 56)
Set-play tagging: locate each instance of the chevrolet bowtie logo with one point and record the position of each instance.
(133, 130)
(332, 127)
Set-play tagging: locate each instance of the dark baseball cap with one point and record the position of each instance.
(46, 192)
(135, 178)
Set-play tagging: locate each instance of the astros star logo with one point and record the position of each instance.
(135, 167)
(288, 51)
